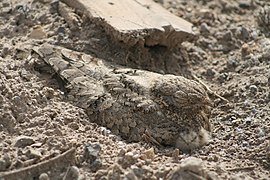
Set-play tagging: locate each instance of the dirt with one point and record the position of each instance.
(39, 125)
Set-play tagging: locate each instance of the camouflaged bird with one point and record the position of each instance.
(170, 109)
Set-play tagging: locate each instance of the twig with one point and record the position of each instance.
(148, 138)
(208, 89)
(241, 168)
(66, 173)
(196, 176)
(62, 160)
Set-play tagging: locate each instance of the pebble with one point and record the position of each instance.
(33, 153)
(187, 168)
(232, 62)
(245, 144)
(23, 141)
(38, 33)
(223, 77)
(8, 121)
(228, 36)
(4, 52)
(248, 120)
(204, 28)
(130, 175)
(43, 176)
(245, 4)
(26, 74)
(115, 172)
(245, 49)
(150, 153)
(73, 125)
(244, 33)
(259, 132)
(96, 165)
(3, 166)
(91, 152)
(175, 154)
(210, 73)
(72, 174)
(253, 89)
(191, 164)
(45, 1)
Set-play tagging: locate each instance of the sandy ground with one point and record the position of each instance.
(39, 128)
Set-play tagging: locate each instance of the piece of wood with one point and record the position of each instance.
(136, 21)
(60, 161)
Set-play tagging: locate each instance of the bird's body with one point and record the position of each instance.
(171, 109)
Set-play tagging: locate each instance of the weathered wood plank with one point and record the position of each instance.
(136, 21)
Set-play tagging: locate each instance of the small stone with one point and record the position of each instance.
(220, 169)
(192, 164)
(259, 132)
(190, 168)
(130, 175)
(2, 165)
(212, 175)
(122, 153)
(25, 74)
(73, 173)
(210, 73)
(216, 158)
(245, 4)
(45, 1)
(268, 150)
(23, 141)
(223, 77)
(7, 160)
(129, 159)
(138, 171)
(245, 49)
(114, 172)
(150, 153)
(32, 154)
(73, 125)
(253, 89)
(37, 145)
(232, 63)
(245, 144)
(96, 165)
(8, 121)
(204, 28)
(228, 36)
(38, 33)
(244, 33)
(5, 51)
(91, 152)
(49, 92)
(43, 176)
(175, 154)
(248, 120)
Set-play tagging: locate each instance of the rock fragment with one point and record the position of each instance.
(38, 33)
(73, 173)
(150, 153)
(91, 152)
(2, 165)
(91, 156)
(192, 168)
(23, 141)
(43, 176)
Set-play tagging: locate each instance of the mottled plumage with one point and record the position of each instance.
(172, 109)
